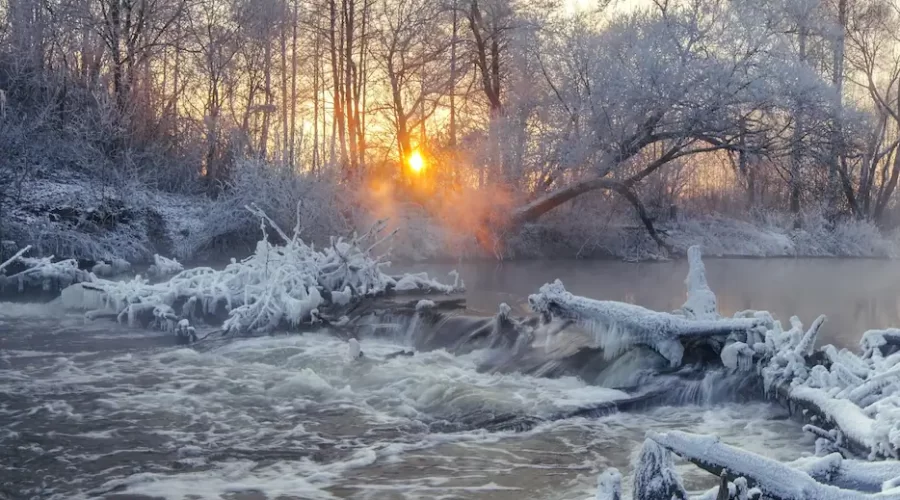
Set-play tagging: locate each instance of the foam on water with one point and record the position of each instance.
(291, 416)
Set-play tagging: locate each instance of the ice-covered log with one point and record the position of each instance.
(859, 475)
(619, 326)
(14, 258)
(776, 480)
(40, 276)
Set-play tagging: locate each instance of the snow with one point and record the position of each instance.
(609, 485)
(771, 477)
(655, 476)
(163, 267)
(847, 473)
(354, 351)
(843, 413)
(738, 356)
(875, 339)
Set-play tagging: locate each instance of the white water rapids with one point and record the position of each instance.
(94, 409)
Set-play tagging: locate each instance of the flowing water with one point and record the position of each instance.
(94, 409)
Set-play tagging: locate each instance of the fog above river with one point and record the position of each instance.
(855, 294)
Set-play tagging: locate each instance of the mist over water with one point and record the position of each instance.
(855, 294)
(94, 409)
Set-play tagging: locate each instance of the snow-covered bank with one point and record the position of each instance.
(719, 236)
(73, 216)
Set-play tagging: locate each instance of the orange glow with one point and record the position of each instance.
(416, 162)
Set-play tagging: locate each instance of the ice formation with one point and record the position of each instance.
(609, 485)
(42, 272)
(354, 351)
(701, 301)
(851, 401)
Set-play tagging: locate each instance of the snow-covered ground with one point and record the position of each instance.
(76, 217)
(719, 236)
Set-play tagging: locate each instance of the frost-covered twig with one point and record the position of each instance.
(14, 258)
(44, 272)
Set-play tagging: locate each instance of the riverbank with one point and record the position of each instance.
(78, 217)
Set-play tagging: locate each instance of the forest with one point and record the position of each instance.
(492, 128)
(249, 249)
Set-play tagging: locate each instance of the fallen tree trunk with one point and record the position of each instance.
(774, 479)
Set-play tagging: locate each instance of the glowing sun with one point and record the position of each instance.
(416, 162)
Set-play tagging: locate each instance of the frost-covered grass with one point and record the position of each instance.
(72, 216)
(226, 226)
(720, 236)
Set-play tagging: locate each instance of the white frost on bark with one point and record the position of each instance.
(618, 326)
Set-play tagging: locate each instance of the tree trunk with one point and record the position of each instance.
(284, 88)
(796, 147)
(453, 41)
(837, 79)
(293, 138)
(317, 55)
(336, 71)
(267, 113)
(349, 14)
(544, 204)
(115, 28)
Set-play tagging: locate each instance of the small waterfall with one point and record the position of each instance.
(713, 386)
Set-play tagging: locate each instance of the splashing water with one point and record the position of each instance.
(90, 410)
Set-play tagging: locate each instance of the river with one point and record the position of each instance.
(95, 409)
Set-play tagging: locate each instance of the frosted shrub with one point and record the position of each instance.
(276, 190)
(279, 284)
